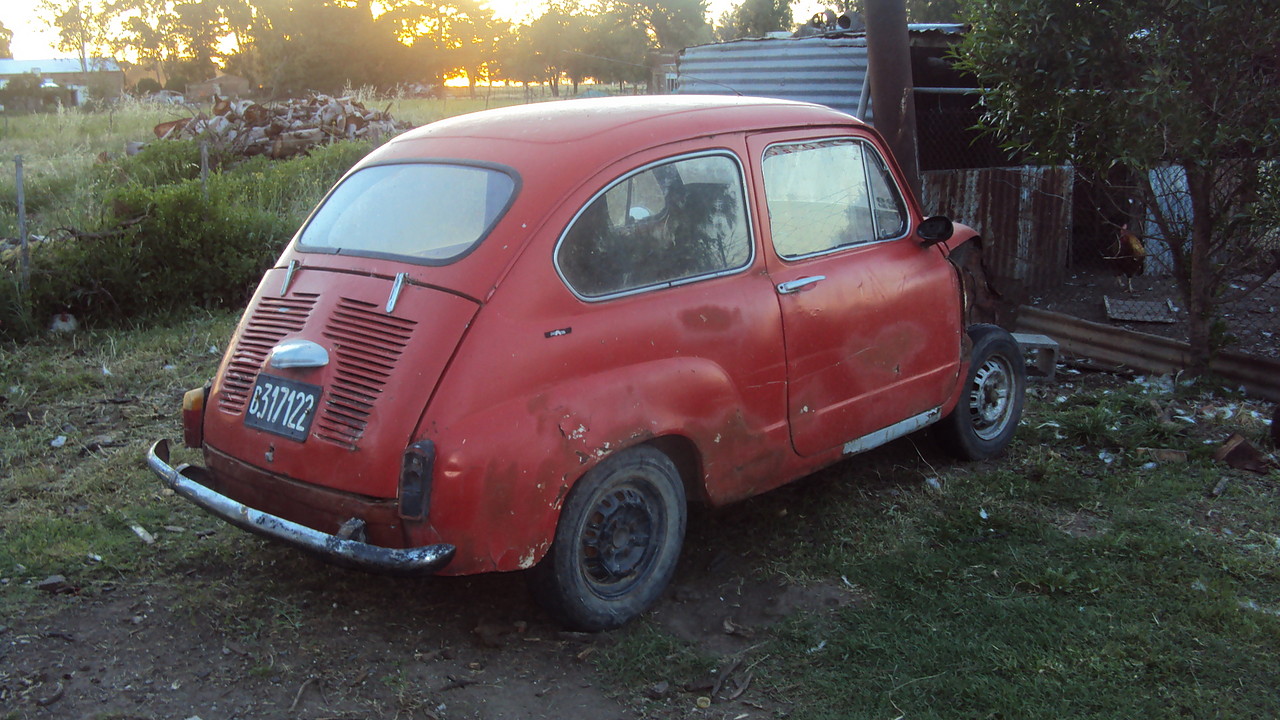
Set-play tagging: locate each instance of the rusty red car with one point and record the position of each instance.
(527, 338)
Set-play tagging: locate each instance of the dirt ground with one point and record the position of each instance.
(330, 644)
(1251, 322)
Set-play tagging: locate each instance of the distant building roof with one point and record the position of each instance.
(56, 65)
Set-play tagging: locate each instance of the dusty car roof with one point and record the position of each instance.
(664, 118)
(557, 122)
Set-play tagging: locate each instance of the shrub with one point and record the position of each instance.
(170, 242)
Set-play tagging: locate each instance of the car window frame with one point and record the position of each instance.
(517, 186)
(867, 143)
(746, 194)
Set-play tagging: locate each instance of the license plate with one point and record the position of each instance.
(282, 406)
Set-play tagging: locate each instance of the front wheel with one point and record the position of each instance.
(616, 544)
(983, 422)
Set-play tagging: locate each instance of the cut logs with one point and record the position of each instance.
(283, 129)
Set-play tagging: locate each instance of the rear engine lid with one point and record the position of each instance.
(343, 413)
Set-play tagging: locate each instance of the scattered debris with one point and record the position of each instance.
(1220, 488)
(53, 697)
(658, 690)
(1165, 455)
(142, 533)
(56, 585)
(732, 628)
(726, 671)
(1240, 454)
(283, 129)
(457, 683)
(298, 697)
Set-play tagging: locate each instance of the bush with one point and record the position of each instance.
(171, 243)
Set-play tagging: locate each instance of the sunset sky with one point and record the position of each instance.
(33, 41)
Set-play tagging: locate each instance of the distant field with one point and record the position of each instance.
(58, 150)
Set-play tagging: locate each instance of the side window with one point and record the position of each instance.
(828, 194)
(886, 201)
(663, 224)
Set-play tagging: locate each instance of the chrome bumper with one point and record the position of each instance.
(340, 551)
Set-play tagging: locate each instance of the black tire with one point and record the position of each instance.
(983, 422)
(616, 544)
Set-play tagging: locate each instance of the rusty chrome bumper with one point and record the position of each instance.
(183, 480)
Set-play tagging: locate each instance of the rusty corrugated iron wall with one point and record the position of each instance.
(1023, 214)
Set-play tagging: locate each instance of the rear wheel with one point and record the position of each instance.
(983, 422)
(616, 544)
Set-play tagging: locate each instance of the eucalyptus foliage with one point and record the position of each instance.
(1180, 97)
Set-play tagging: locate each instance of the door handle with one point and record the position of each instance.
(795, 286)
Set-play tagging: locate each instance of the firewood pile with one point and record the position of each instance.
(284, 129)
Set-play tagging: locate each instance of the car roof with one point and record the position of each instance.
(623, 122)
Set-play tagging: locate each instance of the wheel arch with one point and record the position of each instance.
(687, 458)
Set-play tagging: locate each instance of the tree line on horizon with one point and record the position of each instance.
(292, 46)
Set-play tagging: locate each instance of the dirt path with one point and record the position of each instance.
(324, 643)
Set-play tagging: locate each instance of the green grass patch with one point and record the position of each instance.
(1074, 577)
(76, 416)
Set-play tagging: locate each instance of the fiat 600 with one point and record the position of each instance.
(526, 338)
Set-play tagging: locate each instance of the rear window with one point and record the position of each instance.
(431, 212)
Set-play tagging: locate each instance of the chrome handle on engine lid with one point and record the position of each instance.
(794, 286)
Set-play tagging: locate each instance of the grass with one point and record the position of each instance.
(1075, 577)
(59, 151)
(1072, 578)
(77, 414)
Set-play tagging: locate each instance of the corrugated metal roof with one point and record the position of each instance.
(825, 70)
(55, 66)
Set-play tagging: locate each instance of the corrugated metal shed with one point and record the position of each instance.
(1024, 213)
(828, 69)
(825, 70)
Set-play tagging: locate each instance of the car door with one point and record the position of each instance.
(871, 320)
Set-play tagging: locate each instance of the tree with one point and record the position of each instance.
(477, 52)
(438, 31)
(670, 24)
(82, 29)
(1180, 96)
(754, 18)
(918, 11)
(301, 45)
(614, 50)
(6, 36)
(934, 11)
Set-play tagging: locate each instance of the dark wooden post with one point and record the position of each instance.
(893, 103)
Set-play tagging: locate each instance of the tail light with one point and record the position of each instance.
(415, 480)
(193, 417)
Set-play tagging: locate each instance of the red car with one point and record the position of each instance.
(526, 338)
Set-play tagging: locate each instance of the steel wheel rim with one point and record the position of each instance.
(618, 543)
(991, 398)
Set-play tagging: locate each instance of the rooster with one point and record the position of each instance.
(1128, 255)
